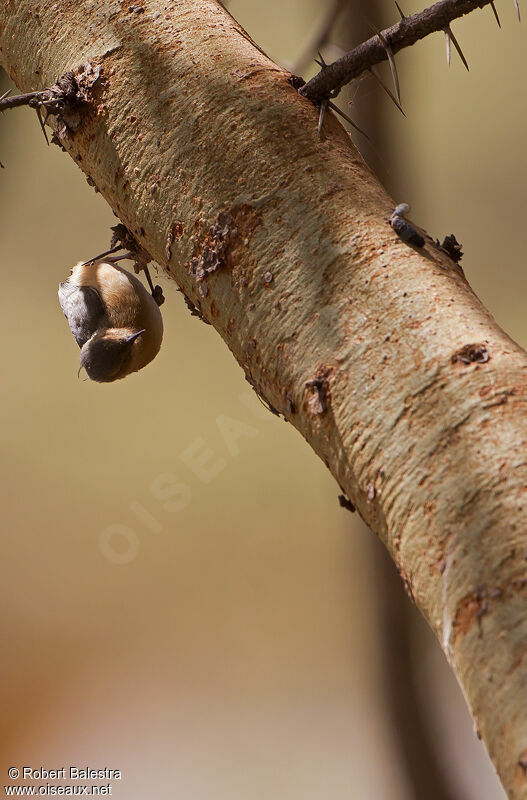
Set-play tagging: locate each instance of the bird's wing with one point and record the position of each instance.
(83, 308)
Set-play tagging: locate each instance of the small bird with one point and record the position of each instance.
(115, 321)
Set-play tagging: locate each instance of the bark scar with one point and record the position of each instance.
(318, 394)
(214, 247)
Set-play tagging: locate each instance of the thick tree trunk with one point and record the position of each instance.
(375, 352)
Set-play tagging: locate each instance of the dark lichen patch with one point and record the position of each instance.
(406, 232)
(452, 248)
(472, 354)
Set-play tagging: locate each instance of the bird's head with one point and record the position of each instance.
(111, 354)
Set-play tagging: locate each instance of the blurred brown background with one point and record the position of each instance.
(229, 645)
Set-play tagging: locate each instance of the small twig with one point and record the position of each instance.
(405, 33)
(57, 100)
(326, 103)
(18, 100)
(53, 99)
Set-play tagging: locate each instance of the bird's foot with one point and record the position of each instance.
(157, 294)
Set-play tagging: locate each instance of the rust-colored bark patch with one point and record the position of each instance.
(219, 247)
(240, 261)
(213, 248)
(470, 609)
(177, 230)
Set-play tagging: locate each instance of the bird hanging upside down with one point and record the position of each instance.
(115, 321)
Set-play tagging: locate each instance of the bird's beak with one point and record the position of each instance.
(134, 336)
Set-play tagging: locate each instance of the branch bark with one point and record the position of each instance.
(379, 354)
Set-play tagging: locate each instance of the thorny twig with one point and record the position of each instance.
(326, 103)
(62, 100)
(54, 100)
(404, 33)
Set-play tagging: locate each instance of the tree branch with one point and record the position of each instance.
(371, 348)
(404, 33)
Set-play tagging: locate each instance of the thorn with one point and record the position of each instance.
(517, 7)
(393, 68)
(39, 115)
(322, 112)
(391, 59)
(403, 16)
(448, 47)
(337, 110)
(458, 48)
(387, 90)
(495, 13)
(5, 94)
(321, 57)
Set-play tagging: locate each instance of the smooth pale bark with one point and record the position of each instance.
(196, 139)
